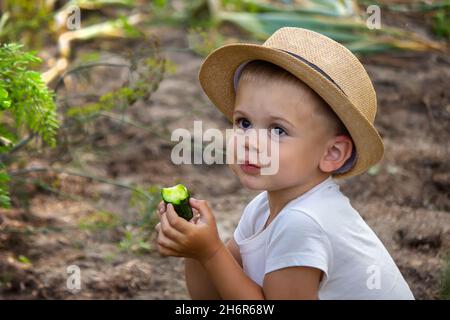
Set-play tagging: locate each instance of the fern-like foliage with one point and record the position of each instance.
(24, 94)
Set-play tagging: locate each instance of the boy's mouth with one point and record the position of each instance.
(247, 167)
(247, 163)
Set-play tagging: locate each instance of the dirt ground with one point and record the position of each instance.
(405, 199)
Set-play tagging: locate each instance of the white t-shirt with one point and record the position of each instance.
(320, 229)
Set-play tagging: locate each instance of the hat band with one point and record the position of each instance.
(350, 161)
(312, 65)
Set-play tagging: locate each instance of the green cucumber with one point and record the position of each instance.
(178, 196)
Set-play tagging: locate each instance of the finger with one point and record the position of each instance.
(198, 204)
(203, 207)
(176, 221)
(166, 242)
(195, 218)
(161, 209)
(168, 252)
(162, 206)
(154, 236)
(170, 231)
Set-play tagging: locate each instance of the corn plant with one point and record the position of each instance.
(341, 20)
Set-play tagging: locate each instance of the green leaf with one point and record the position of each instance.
(5, 102)
(5, 201)
(25, 95)
(323, 7)
(24, 259)
(338, 20)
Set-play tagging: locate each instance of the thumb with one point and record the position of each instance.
(203, 208)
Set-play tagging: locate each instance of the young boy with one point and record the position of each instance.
(300, 238)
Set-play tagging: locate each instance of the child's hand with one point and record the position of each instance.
(197, 239)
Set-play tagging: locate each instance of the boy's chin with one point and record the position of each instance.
(253, 182)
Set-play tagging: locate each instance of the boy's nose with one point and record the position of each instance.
(252, 150)
(251, 144)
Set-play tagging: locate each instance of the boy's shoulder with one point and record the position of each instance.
(324, 204)
(322, 198)
(323, 194)
(323, 201)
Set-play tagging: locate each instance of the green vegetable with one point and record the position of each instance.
(178, 196)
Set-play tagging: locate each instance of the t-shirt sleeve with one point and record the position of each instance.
(298, 240)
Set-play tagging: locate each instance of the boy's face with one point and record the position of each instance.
(287, 110)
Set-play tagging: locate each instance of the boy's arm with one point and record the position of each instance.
(199, 283)
(286, 283)
(201, 241)
(283, 284)
(231, 282)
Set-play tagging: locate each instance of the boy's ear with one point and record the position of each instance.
(336, 154)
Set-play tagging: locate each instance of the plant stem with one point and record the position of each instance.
(78, 174)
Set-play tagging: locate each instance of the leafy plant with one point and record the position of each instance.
(339, 20)
(137, 235)
(441, 22)
(203, 41)
(4, 187)
(439, 10)
(322, 7)
(342, 21)
(99, 220)
(25, 97)
(22, 20)
(24, 94)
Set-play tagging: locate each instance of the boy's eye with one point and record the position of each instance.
(278, 131)
(243, 123)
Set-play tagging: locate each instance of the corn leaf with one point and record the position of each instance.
(340, 8)
(351, 31)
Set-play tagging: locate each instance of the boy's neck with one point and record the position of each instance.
(279, 198)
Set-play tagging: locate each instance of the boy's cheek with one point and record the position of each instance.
(291, 159)
(232, 149)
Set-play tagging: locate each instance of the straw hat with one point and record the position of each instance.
(326, 66)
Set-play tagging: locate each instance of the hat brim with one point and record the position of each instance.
(216, 78)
